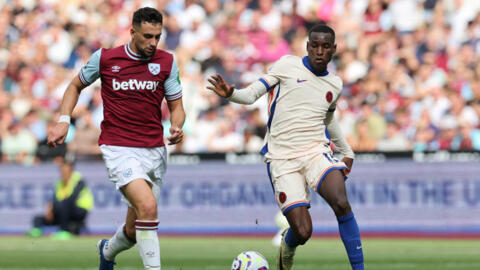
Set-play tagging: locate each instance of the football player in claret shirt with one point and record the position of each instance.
(302, 97)
(135, 78)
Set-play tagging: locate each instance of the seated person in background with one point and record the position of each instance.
(18, 145)
(70, 204)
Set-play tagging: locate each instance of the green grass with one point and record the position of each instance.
(217, 254)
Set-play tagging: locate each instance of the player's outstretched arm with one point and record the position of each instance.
(247, 95)
(220, 87)
(58, 134)
(177, 118)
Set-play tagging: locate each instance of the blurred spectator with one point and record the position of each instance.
(228, 69)
(173, 32)
(376, 123)
(196, 36)
(36, 125)
(371, 20)
(224, 139)
(251, 141)
(362, 141)
(85, 143)
(69, 206)
(269, 16)
(204, 129)
(275, 48)
(463, 141)
(405, 15)
(19, 145)
(475, 137)
(354, 69)
(425, 134)
(96, 107)
(393, 140)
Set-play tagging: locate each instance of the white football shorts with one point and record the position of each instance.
(125, 164)
(291, 178)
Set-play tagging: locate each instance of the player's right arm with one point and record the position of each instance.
(252, 92)
(87, 75)
(58, 134)
(247, 95)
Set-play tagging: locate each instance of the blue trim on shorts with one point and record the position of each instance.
(326, 173)
(270, 176)
(295, 206)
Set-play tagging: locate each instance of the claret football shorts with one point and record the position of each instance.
(291, 178)
(125, 164)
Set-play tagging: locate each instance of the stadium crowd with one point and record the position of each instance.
(410, 72)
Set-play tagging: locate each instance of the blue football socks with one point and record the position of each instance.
(350, 235)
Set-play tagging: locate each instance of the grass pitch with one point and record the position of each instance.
(217, 253)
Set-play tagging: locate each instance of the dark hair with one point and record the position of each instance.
(322, 27)
(146, 14)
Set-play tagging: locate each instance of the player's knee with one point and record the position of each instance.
(341, 206)
(147, 210)
(303, 234)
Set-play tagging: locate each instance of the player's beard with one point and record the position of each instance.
(144, 53)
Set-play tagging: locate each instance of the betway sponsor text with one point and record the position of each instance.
(134, 84)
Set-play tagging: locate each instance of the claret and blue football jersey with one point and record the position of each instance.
(133, 89)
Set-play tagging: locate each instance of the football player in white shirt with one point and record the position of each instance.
(302, 97)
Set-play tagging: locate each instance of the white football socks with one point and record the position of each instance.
(147, 240)
(118, 243)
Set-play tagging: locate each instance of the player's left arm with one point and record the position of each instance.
(177, 118)
(337, 137)
(173, 95)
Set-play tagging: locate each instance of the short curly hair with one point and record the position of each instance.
(146, 14)
(321, 27)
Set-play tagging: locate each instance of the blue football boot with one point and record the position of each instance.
(104, 263)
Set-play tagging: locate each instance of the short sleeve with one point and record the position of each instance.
(90, 72)
(173, 88)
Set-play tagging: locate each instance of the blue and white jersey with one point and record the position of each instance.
(298, 101)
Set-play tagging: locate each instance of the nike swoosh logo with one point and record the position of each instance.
(299, 81)
(359, 247)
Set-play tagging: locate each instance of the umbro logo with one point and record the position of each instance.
(300, 81)
(150, 253)
(115, 69)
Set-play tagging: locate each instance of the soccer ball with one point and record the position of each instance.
(250, 260)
